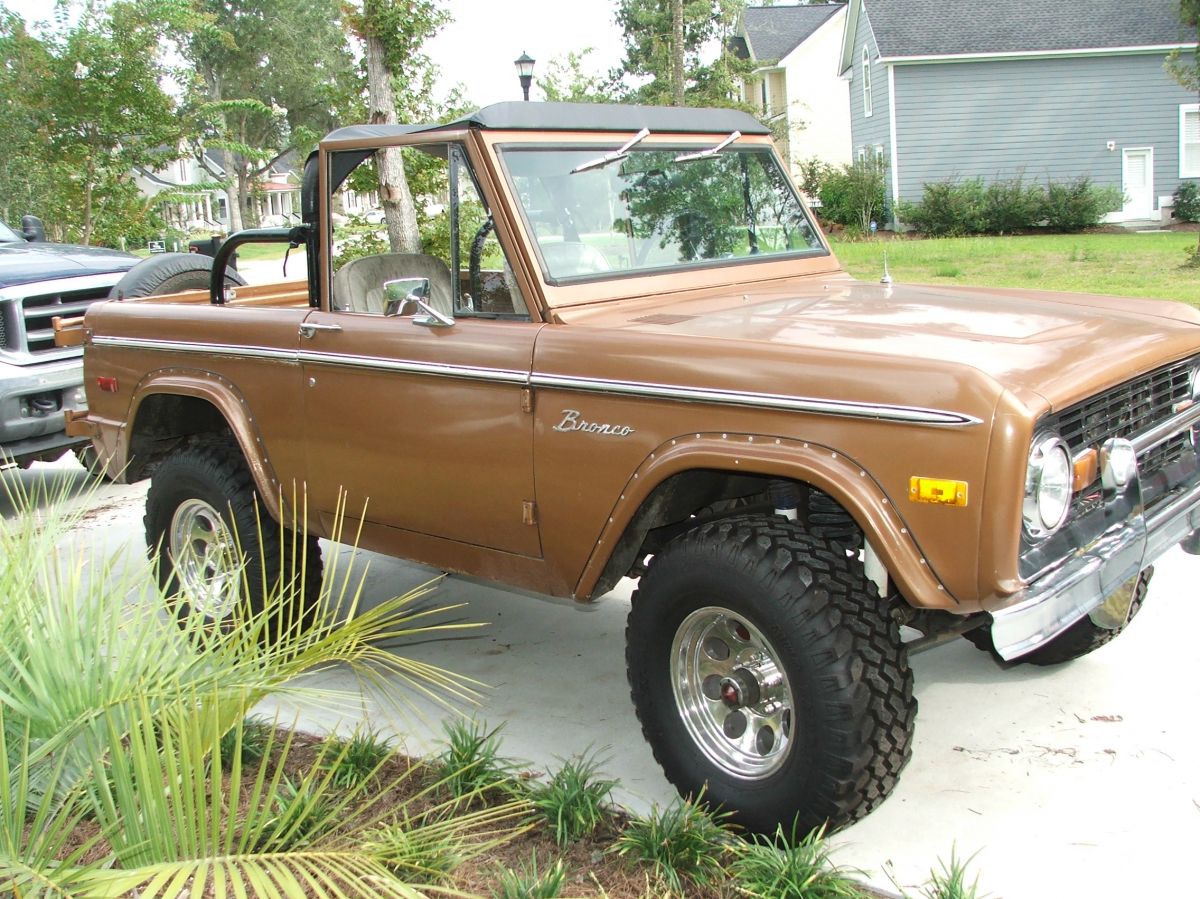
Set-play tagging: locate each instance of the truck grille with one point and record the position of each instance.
(39, 310)
(1130, 409)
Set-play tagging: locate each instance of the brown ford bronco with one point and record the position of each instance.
(628, 352)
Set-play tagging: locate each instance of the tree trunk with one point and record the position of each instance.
(398, 208)
(677, 52)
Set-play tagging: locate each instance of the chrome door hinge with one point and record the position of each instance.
(526, 399)
(528, 513)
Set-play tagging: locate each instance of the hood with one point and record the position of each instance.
(27, 263)
(1060, 346)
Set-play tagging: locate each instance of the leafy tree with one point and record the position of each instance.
(269, 79)
(566, 81)
(83, 107)
(400, 80)
(665, 42)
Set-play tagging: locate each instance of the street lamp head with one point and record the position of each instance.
(525, 64)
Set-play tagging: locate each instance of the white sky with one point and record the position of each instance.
(477, 49)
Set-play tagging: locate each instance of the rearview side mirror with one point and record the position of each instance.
(401, 293)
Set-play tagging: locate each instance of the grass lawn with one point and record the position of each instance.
(1134, 264)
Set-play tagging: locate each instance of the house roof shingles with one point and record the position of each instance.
(775, 31)
(937, 28)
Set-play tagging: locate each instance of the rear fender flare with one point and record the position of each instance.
(754, 454)
(224, 396)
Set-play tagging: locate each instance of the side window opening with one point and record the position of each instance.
(458, 251)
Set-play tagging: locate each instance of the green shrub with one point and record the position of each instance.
(1011, 205)
(813, 175)
(948, 208)
(529, 882)
(471, 762)
(1186, 201)
(854, 196)
(359, 758)
(788, 868)
(575, 800)
(681, 844)
(1079, 204)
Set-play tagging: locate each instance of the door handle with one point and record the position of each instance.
(310, 329)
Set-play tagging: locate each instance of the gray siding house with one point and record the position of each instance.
(1046, 90)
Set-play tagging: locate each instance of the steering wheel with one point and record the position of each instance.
(476, 263)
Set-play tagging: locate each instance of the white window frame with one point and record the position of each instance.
(868, 111)
(1186, 109)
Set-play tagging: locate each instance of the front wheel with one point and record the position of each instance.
(766, 673)
(221, 559)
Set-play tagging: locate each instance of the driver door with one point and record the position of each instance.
(423, 425)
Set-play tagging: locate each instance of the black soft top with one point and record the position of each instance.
(520, 116)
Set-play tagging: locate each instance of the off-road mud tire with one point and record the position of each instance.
(214, 471)
(1078, 640)
(170, 273)
(852, 729)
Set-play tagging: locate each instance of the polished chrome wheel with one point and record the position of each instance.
(205, 557)
(732, 693)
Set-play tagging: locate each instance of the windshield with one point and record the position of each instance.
(653, 210)
(7, 233)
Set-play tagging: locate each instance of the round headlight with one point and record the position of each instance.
(1047, 487)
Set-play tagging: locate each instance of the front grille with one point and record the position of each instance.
(1128, 409)
(39, 311)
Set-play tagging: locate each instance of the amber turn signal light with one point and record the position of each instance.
(939, 491)
(1086, 469)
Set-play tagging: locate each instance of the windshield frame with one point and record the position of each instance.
(17, 237)
(666, 143)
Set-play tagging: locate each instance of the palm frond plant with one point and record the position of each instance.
(112, 713)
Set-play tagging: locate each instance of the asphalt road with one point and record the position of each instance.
(1077, 781)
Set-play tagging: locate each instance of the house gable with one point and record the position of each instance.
(909, 31)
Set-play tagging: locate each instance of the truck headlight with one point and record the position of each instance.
(1047, 487)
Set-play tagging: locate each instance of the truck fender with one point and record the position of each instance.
(225, 397)
(755, 454)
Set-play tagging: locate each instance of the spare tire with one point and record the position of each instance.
(169, 273)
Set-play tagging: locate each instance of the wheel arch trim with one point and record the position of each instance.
(222, 395)
(752, 454)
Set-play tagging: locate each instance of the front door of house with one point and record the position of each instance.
(1137, 180)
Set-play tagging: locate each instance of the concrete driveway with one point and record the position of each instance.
(1077, 781)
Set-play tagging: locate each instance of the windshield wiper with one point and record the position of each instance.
(615, 156)
(711, 151)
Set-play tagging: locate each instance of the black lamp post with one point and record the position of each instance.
(524, 64)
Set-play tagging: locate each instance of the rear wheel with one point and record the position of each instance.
(220, 556)
(765, 672)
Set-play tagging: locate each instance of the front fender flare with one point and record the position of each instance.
(820, 466)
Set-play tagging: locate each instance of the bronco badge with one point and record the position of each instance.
(572, 422)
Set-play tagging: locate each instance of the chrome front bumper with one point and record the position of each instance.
(1083, 581)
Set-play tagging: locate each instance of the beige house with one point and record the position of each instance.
(795, 86)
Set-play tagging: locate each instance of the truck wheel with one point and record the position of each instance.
(169, 273)
(219, 553)
(765, 672)
(1082, 637)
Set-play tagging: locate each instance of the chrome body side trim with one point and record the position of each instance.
(433, 369)
(909, 414)
(814, 405)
